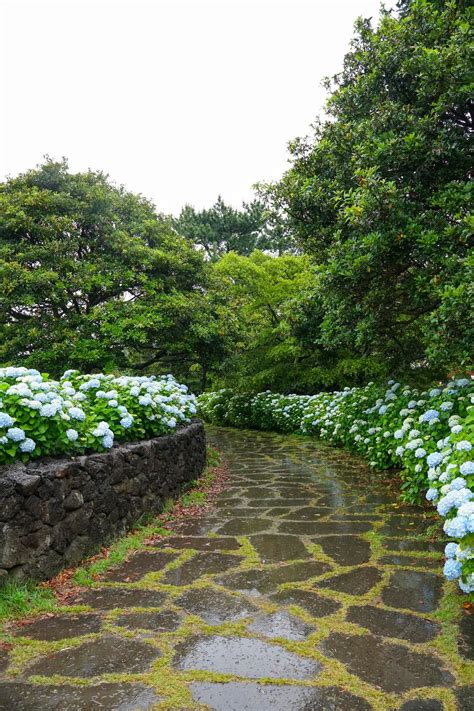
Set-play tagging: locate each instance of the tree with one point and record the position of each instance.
(263, 290)
(222, 229)
(91, 277)
(380, 195)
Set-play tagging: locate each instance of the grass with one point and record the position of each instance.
(18, 599)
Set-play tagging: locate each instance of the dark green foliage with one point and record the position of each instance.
(380, 196)
(222, 229)
(91, 277)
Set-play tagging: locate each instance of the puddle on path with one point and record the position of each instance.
(304, 560)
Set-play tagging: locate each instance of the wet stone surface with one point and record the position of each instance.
(413, 590)
(238, 696)
(275, 548)
(355, 582)
(214, 607)
(466, 636)
(273, 583)
(138, 566)
(390, 623)
(422, 705)
(107, 655)
(315, 604)
(201, 564)
(166, 621)
(281, 624)
(200, 544)
(390, 666)
(34, 697)
(345, 550)
(111, 598)
(50, 629)
(250, 658)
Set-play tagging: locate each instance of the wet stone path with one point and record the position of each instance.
(307, 586)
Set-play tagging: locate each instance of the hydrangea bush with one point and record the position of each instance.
(429, 435)
(80, 413)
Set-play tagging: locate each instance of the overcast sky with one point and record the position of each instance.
(180, 101)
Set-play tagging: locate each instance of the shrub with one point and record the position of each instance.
(80, 413)
(429, 435)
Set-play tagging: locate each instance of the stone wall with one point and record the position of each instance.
(53, 512)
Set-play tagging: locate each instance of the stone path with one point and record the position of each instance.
(306, 587)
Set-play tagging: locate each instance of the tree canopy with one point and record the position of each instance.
(380, 195)
(92, 277)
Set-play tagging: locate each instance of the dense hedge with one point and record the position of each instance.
(81, 413)
(428, 434)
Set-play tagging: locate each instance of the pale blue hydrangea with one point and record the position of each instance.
(456, 527)
(429, 415)
(432, 494)
(5, 420)
(463, 446)
(126, 421)
(399, 434)
(102, 429)
(49, 410)
(77, 414)
(16, 434)
(135, 391)
(72, 435)
(453, 499)
(451, 550)
(446, 406)
(107, 441)
(27, 445)
(434, 459)
(3, 440)
(467, 586)
(452, 569)
(420, 453)
(435, 392)
(145, 400)
(383, 410)
(456, 429)
(467, 468)
(112, 403)
(399, 451)
(458, 483)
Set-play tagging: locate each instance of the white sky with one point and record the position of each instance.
(180, 101)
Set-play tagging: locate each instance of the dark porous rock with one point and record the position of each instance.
(55, 511)
(23, 482)
(74, 501)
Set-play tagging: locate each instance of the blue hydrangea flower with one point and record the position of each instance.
(458, 483)
(452, 569)
(107, 441)
(451, 550)
(27, 445)
(456, 527)
(72, 435)
(467, 468)
(77, 414)
(16, 434)
(126, 421)
(429, 415)
(5, 420)
(434, 459)
(420, 453)
(432, 494)
(463, 446)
